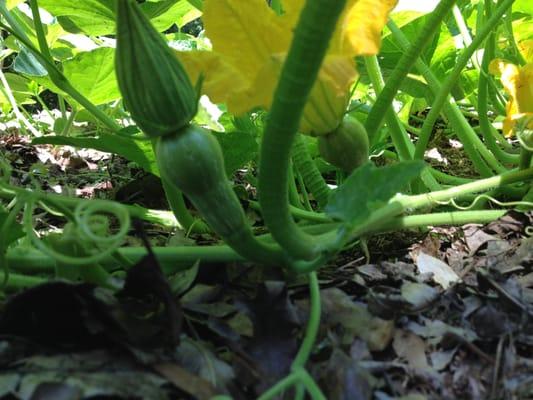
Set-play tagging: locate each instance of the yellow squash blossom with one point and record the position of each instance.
(250, 42)
(518, 83)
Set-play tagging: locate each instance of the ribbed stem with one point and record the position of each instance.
(483, 96)
(473, 145)
(443, 95)
(406, 62)
(312, 177)
(311, 37)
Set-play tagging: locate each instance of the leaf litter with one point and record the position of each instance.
(443, 314)
(451, 318)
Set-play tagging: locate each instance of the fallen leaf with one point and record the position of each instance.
(442, 273)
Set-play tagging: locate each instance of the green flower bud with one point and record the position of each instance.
(155, 87)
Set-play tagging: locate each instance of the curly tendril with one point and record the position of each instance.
(94, 225)
(479, 198)
(91, 227)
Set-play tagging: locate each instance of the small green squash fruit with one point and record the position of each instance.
(347, 146)
(192, 160)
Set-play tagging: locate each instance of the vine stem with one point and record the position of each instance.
(483, 91)
(181, 258)
(313, 324)
(443, 94)
(411, 54)
(311, 175)
(402, 142)
(311, 38)
(474, 147)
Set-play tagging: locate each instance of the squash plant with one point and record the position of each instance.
(312, 68)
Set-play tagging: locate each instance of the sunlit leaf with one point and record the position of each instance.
(93, 75)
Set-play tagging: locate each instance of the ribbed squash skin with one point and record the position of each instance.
(347, 146)
(155, 88)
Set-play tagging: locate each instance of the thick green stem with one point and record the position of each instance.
(164, 218)
(483, 94)
(428, 199)
(294, 196)
(399, 136)
(508, 24)
(313, 324)
(180, 258)
(179, 209)
(283, 385)
(449, 179)
(525, 158)
(473, 145)
(311, 37)
(443, 95)
(406, 62)
(438, 219)
(312, 177)
(464, 31)
(402, 143)
(39, 30)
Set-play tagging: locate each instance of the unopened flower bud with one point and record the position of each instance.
(155, 88)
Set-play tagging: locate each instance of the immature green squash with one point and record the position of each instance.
(347, 146)
(192, 160)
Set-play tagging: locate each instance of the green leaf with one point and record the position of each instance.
(238, 148)
(164, 14)
(27, 64)
(19, 87)
(523, 6)
(97, 17)
(138, 151)
(369, 188)
(92, 73)
(13, 3)
(93, 17)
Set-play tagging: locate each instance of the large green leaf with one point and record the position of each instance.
(523, 6)
(138, 151)
(391, 52)
(19, 88)
(93, 17)
(92, 73)
(97, 17)
(369, 188)
(164, 14)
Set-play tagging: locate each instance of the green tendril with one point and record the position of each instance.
(88, 227)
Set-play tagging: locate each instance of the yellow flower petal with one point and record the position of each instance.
(245, 33)
(518, 83)
(359, 28)
(328, 99)
(526, 49)
(220, 79)
(359, 31)
(330, 96)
